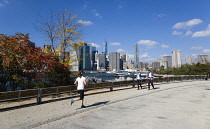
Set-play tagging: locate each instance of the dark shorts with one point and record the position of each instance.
(81, 92)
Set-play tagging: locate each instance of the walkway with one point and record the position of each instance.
(183, 105)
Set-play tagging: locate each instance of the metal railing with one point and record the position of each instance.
(43, 92)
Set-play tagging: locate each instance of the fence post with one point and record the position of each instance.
(57, 91)
(111, 87)
(167, 79)
(70, 90)
(18, 95)
(39, 96)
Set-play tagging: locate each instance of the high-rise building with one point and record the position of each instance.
(130, 65)
(101, 61)
(176, 58)
(74, 61)
(92, 56)
(143, 65)
(114, 61)
(106, 48)
(85, 63)
(136, 55)
(155, 65)
(127, 57)
(123, 62)
(166, 61)
(188, 60)
(203, 59)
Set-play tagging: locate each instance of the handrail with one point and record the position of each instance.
(41, 92)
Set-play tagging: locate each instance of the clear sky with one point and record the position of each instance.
(158, 26)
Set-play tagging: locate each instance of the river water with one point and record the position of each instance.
(108, 76)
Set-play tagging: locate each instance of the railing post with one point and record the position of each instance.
(70, 90)
(18, 95)
(39, 96)
(111, 87)
(167, 79)
(57, 91)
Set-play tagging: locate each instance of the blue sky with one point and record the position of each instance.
(158, 26)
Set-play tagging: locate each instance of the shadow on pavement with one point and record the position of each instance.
(96, 104)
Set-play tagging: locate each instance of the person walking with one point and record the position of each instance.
(150, 76)
(138, 79)
(80, 82)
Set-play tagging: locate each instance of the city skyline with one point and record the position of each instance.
(158, 27)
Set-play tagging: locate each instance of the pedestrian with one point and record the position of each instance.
(150, 76)
(80, 82)
(138, 79)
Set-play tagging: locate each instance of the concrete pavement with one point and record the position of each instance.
(184, 105)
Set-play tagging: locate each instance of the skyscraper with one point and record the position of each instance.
(74, 60)
(114, 61)
(136, 55)
(127, 57)
(156, 65)
(101, 61)
(106, 48)
(92, 56)
(85, 63)
(166, 61)
(176, 58)
(188, 60)
(203, 59)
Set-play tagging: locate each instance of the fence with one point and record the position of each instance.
(43, 92)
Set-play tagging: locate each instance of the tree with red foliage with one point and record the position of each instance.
(22, 64)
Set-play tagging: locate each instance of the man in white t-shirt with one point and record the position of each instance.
(150, 76)
(80, 82)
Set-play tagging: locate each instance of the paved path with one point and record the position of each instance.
(184, 105)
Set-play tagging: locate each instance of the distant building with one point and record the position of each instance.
(74, 61)
(188, 60)
(31, 44)
(176, 58)
(165, 61)
(130, 65)
(127, 57)
(203, 59)
(142, 65)
(85, 63)
(114, 61)
(136, 55)
(123, 57)
(156, 65)
(92, 56)
(106, 48)
(123, 62)
(101, 61)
